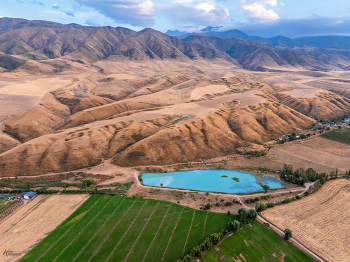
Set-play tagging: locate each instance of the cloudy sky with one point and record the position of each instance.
(265, 18)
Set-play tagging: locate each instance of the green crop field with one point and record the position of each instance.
(116, 228)
(256, 243)
(339, 135)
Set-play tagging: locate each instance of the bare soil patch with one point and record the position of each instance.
(304, 92)
(28, 226)
(321, 221)
(37, 87)
(198, 92)
(14, 104)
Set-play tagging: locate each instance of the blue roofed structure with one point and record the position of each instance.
(28, 195)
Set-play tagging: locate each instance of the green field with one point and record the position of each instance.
(116, 228)
(339, 135)
(256, 243)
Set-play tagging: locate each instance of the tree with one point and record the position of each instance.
(241, 210)
(252, 214)
(234, 225)
(243, 216)
(265, 187)
(287, 234)
(161, 184)
(196, 251)
(187, 258)
(214, 238)
(87, 181)
(206, 244)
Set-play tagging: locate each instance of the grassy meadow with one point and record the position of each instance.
(255, 243)
(116, 228)
(339, 135)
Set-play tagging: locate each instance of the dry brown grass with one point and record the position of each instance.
(307, 155)
(328, 145)
(199, 92)
(34, 221)
(320, 221)
(37, 87)
(304, 92)
(14, 104)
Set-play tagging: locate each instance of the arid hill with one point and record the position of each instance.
(40, 40)
(159, 141)
(255, 55)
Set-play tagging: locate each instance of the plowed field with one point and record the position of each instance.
(33, 222)
(321, 221)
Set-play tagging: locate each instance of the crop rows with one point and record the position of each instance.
(114, 228)
(256, 243)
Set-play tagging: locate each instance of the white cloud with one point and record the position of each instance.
(202, 14)
(256, 10)
(205, 6)
(55, 6)
(282, 4)
(133, 12)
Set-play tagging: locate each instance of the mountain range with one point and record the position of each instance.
(22, 40)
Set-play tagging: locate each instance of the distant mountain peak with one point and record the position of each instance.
(210, 28)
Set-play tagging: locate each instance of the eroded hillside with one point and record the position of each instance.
(166, 102)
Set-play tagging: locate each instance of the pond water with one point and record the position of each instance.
(213, 180)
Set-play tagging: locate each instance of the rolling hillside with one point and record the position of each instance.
(255, 55)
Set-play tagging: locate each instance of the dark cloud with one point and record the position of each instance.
(91, 23)
(314, 25)
(196, 15)
(69, 13)
(133, 12)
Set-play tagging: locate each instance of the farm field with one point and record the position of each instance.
(114, 228)
(306, 154)
(34, 221)
(320, 221)
(255, 243)
(339, 135)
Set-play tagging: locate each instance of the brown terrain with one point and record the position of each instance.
(145, 98)
(319, 221)
(29, 225)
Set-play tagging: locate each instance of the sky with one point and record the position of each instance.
(266, 18)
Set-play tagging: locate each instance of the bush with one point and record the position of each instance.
(228, 213)
(287, 234)
(228, 204)
(270, 204)
(260, 206)
(207, 206)
(87, 181)
(217, 204)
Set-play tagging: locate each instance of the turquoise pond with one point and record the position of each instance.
(212, 180)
